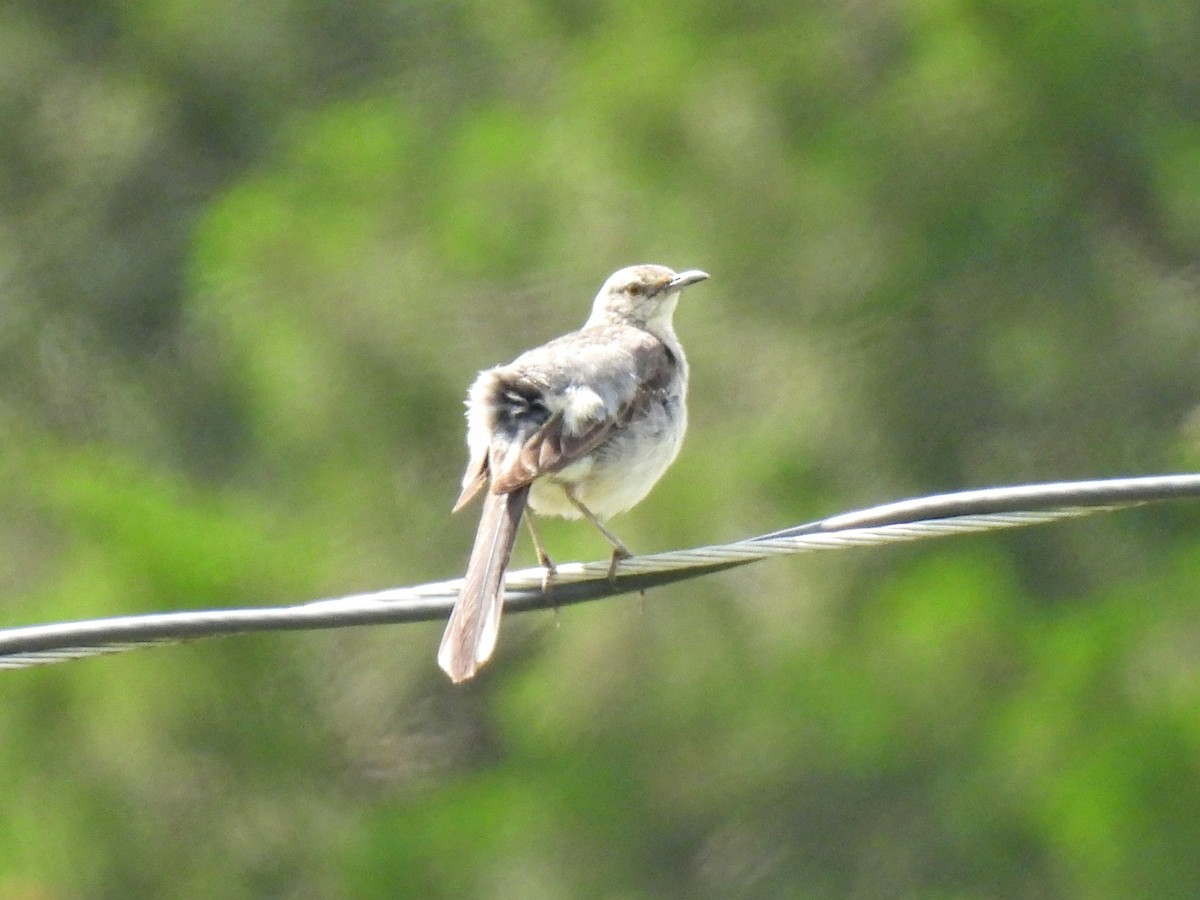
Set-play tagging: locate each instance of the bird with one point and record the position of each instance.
(580, 427)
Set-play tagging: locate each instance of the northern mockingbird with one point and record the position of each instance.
(580, 427)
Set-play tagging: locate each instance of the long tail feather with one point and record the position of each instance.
(470, 635)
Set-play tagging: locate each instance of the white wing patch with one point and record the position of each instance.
(581, 408)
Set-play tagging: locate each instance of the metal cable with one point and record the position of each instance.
(966, 512)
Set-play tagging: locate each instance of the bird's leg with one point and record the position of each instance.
(620, 551)
(543, 557)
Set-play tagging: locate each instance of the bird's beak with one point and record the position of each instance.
(683, 279)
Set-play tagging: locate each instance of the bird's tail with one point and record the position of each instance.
(470, 635)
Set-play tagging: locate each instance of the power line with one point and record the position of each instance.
(943, 515)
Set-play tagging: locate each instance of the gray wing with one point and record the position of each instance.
(556, 403)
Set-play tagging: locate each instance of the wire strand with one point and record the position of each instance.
(943, 515)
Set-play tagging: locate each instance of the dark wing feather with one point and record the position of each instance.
(549, 449)
(642, 376)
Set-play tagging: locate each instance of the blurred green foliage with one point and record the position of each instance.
(250, 257)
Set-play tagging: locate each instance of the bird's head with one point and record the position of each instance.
(644, 296)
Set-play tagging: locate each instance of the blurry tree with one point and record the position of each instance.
(250, 256)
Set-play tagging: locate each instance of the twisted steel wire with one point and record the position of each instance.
(965, 512)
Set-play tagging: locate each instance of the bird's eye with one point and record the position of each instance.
(636, 290)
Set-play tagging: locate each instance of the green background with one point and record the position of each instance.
(251, 254)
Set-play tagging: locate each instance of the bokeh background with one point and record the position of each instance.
(252, 254)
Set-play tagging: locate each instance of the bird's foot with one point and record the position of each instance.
(620, 552)
(548, 573)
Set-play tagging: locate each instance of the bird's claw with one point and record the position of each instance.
(619, 553)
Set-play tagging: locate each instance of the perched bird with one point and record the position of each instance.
(580, 427)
